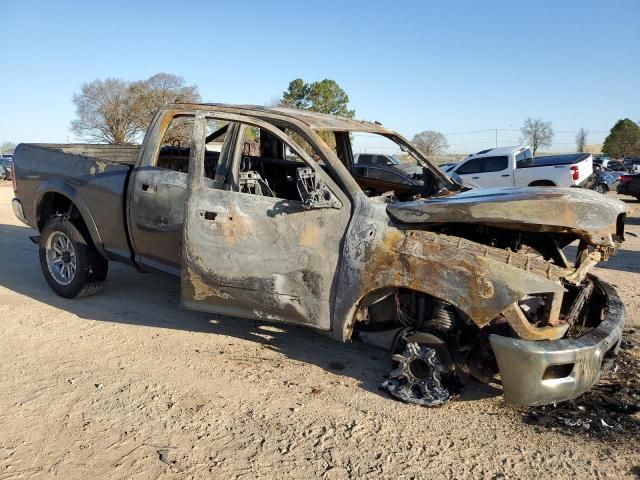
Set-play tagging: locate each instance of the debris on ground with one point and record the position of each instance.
(610, 408)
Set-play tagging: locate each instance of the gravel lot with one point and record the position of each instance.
(127, 385)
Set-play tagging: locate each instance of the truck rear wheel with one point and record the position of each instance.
(70, 263)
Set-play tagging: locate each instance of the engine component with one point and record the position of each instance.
(443, 316)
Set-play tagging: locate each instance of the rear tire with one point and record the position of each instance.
(70, 263)
(600, 188)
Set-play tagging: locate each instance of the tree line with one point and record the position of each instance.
(117, 111)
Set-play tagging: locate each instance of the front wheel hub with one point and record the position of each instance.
(417, 377)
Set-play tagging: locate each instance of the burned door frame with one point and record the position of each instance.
(157, 197)
(260, 257)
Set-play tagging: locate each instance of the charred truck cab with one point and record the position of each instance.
(258, 211)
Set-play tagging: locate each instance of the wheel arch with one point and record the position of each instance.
(542, 183)
(480, 287)
(375, 295)
(53, 196)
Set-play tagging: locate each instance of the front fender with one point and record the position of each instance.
(481, 281)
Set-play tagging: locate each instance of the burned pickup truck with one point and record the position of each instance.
(258, 213)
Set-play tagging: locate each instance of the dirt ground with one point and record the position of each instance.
(127, 385)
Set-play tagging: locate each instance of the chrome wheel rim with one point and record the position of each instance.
(61, 258)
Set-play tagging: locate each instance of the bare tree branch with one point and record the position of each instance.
(581, 139)
(537, 133)
(117, 111)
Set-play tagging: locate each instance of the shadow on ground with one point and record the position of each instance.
(129, 297)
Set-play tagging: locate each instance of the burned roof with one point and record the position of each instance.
(314, 120)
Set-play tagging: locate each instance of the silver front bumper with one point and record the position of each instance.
(18, 211)
(576, 363)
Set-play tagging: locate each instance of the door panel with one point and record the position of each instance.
(157, 217)
(260, 257)
(491, 179)
(482, 171)
(156, 198)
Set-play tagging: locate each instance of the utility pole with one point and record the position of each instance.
(496, 138)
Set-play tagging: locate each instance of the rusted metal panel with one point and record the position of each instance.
(259, 257)
(314, 120)
(481, 281)
(585, 213)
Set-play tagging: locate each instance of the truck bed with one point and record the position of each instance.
(553, 160)
(93, 176)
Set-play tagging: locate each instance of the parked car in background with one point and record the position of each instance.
(632, 164)
(603, 179)
(612, 165)
(380, 159)
(445, 167)
(516, 167)
(404, 179)
(380, 173)
(600, 159)
(6, 166)
(629, 185)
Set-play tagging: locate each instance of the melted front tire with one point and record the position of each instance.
(422, 373)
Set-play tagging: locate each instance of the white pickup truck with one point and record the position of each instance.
(516, 167)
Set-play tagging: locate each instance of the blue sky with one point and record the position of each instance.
(448, 66)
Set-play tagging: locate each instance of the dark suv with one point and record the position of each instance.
(380, 173)
(629, 185)
(6, 166)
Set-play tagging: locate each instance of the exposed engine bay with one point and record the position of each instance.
(436, 349)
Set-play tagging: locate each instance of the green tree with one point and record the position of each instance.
(623, 140)
(296, 95)
(325, 96)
